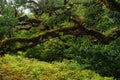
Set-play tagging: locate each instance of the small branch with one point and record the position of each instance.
(112, 5)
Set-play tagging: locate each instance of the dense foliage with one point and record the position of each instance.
(66, 39)
(31, 69)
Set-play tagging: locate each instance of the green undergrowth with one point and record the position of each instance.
(19, 68)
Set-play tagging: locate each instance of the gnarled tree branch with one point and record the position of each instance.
(77, 29)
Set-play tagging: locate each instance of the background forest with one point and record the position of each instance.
(59, 39)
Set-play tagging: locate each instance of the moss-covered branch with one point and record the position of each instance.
(77, 29)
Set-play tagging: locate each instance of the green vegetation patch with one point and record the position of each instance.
(19, 68)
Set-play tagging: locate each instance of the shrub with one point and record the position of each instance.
(51, 50)
(104, 59)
